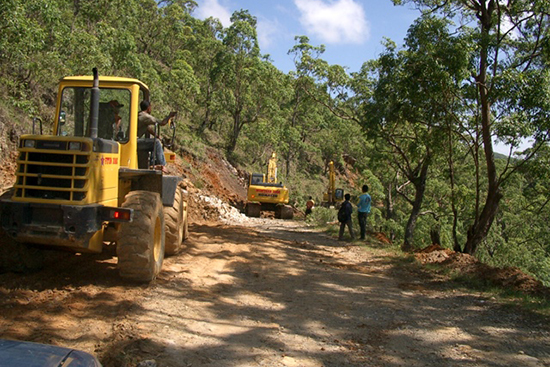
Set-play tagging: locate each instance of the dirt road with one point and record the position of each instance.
(280, 296)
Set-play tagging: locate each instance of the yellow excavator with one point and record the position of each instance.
(265, 194)
(333, 196)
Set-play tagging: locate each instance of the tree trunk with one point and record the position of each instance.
(287, 166)
(389, 202)
(420, 187)
(434, 236)
(237, 125)
(456, 244)
(206, 120)
(479, 230)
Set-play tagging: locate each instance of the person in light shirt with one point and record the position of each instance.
(363, 210)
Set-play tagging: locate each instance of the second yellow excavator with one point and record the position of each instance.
(333, 196)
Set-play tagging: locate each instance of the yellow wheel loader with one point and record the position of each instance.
(265, 194)
(89, 183)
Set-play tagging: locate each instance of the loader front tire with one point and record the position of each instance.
(175, 218)
(140, 247)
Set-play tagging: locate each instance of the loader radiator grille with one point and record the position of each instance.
(52, 176)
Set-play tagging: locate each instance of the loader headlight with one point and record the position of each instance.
(75, 145)
(29, 143)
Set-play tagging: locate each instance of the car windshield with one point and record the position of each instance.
(113, 117)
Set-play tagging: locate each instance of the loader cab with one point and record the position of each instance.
(117, 116)
(113, 117)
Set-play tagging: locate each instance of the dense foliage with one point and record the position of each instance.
(418, 124)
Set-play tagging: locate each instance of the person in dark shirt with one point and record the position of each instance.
(344, 217)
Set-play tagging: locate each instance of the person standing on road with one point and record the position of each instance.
(344, 217)
(363, 210)
(309, 206)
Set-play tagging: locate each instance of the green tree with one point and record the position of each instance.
(407, 108)
(207, 50)
(508, 78)
(244, 75)
(305, 116)
(321, 90)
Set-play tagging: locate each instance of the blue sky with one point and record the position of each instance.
(351, 30)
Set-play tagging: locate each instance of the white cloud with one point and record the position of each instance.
(506, 25)
(335, 21)
(212, 8)
(267, 31)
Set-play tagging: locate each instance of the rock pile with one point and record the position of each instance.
(215, 209)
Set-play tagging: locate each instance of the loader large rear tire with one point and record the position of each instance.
(140, 248)
(174, 218)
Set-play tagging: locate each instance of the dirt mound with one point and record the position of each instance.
(381, 236)
(214, 176)
(219, 192)
(514, 278)
(510, 278)
(433, 254)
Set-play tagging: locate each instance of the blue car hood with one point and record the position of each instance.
(26, 354)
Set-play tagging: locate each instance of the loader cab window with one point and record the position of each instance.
(113, 116)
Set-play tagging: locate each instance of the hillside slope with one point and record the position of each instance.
(212, 178)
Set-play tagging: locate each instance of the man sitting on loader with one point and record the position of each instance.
(146, 125)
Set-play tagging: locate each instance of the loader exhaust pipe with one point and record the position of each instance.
(94, 107)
